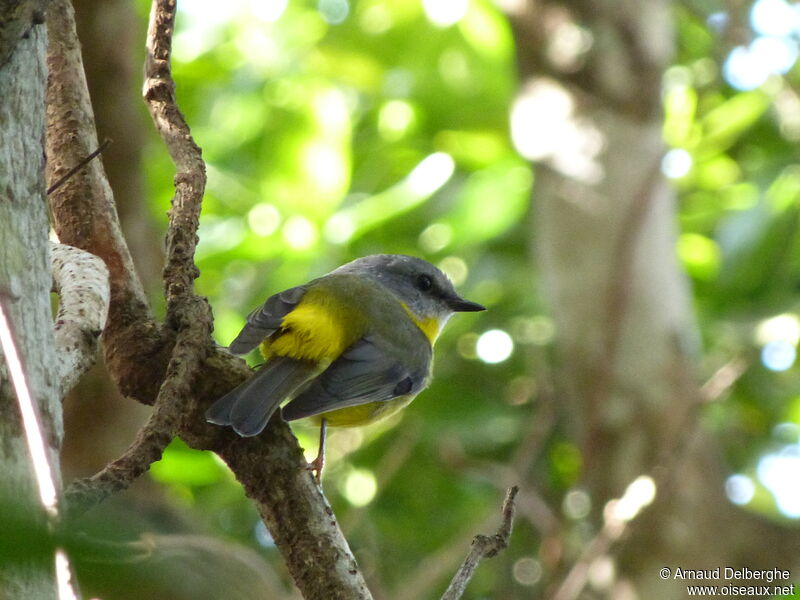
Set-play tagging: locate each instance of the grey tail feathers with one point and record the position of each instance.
(247, 408)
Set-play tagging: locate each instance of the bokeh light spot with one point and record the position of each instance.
(640, 493)
(700, 255)
(781, 327)
(740, 489)
(773, 17)
(444, 13)
(435, 237)
(676, 163)
(264, 219)
(431, 173)
(359, 487)
(300, 233)
(538, 330)
(267, 10)
(776, 54)
(778, 355)
(333, 11)
(376, 19)
(339, 228)
(494, 346)
(527, 571)
(394, 119)
(325, 166)
(577, 504)
(455, 268)
(778, 473)
(743, 70)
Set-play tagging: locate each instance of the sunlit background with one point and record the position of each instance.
(335, 129)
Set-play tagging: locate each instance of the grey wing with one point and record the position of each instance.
(267, 318)
(364, 373)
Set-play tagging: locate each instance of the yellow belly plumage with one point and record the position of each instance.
(364, 414)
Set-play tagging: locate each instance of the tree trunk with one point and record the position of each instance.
(605, 226)
(25, 278)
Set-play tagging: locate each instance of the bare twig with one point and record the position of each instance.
(190, 179)
(723, 380)
(81, 281)
(85, 494)
(78, 167)
(483, 546)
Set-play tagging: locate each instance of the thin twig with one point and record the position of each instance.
(78, 167)
(190, 178)
(483, 546)
(84, 494)
(723, 380)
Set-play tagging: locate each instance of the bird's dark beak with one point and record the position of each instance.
(458, 304)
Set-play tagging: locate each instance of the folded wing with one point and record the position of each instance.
(266, 319)
(365, 372)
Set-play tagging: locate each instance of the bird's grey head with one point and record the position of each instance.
(424, 289)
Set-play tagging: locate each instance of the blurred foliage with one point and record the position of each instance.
(334, 130)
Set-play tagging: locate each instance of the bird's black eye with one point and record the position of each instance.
(424, 283)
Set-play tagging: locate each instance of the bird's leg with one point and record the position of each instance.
(318, 463)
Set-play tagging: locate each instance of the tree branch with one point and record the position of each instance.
(173, 398)
(483, 546)
(81, 281)
(190, 179)
(84, 215)
(85, 161)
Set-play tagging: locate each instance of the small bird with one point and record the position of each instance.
(349, 348)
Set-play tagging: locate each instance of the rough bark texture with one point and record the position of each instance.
(605, 237)
(81, 281)
(111, 34)
(25, 268)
